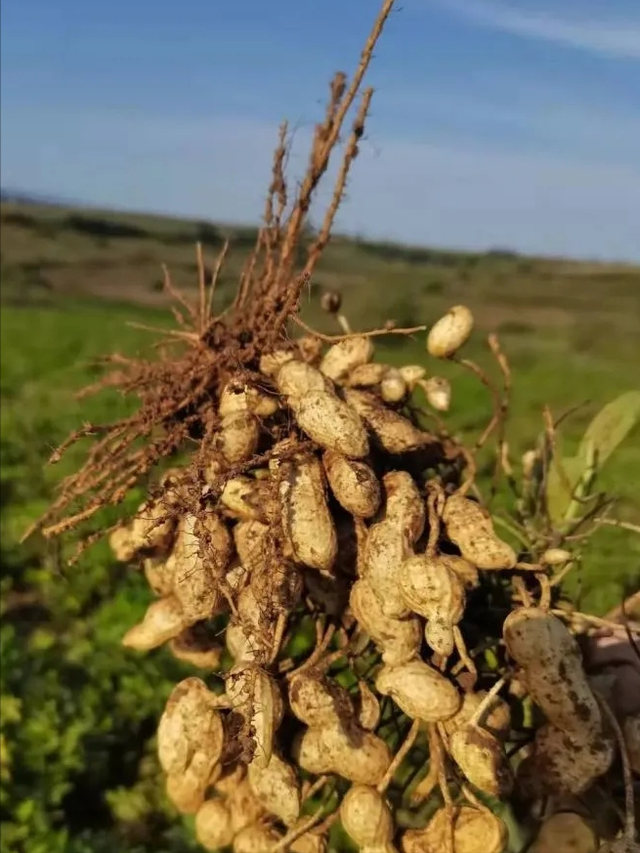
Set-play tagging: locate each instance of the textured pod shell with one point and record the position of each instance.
(213, 825)
(248, 499)
(561, 764)
(255, 838)
(366, 375)
(393, 388)
(412, 374)
(420, 691)
(362, 759)
(438, 393)
(343, 357)
(271, 362)
(121, 544)
(202, 551)
(152, 527)
(474, 831)
(366, 817)
(353, 483)
(481, 758)
(552, 670)
(277, 787)
(318, 701)
(469, 526)
(238, 436)
(565, 832)
(556, 557)
(310, 348)
(306, 521)
(244, 806)
(331, 423)
(158, 575)
(631, 731)
(256, 697)
(297, 378)
(368, 707)
(390, 540)
(187, 790)
(162, 621)
(429, 588)
(241, 396)
(496, 720)
(399, 640)
(188, 647)
(393, 432)
(251, 539)
(190, 722)
(450, 332)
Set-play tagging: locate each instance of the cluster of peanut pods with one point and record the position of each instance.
(338, 513)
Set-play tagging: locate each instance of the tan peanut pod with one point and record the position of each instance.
(496, 719)
(429, 588)
(230, 776)
(438, 392)
(246, 809)
(368, 707)
(121, 544)
(249, 634)
(412, 374)
(341, 358)
(450, 332)
(474, 831)
(360, 757)
(296, 378)
(367, 819)
(331, 423)
(190, 722)
(563, 765)
(251, 539)
(307, 523)
(238, 436)
(365, 375)
(153, 527)
(393, 388)
(271, 362)
(256, 838)
(399, 640)
(310, 348)
(277, 787)
(565, 832)
(465, 570)
(256, 697)
(310, 842)
(188, 647)
(420, 691)
(248, 499)
(353, 483)
(213, 825)
(631, 731)
(552, 670)
(390, 540)
(556, 557)
(188, 790)
(469, 526)
(393, 432)
(318, 701)
(162, 621)
(236, 576)
(481, 758)
(241, 396)
(202, 551)
(158, 575)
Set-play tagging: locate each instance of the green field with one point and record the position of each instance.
(77, 770)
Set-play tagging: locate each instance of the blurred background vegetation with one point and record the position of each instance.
(77, 765)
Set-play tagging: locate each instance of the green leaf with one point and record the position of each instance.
(558, 495)
(610, 427)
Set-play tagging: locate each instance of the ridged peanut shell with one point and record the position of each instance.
(393, 432)
(399, 640)
(365, 375)
(162, 621)
(450, 332)
(438, 392)
(256, 696)
(469, 526)
(496, 719)
(393, 388)
(481, 758)
(318, 701)
(353, 483)
(331, 423)
(296, 378)
(366, 817)
(420, 691)
(238, 436)
(187, 790)
(255, 838)
(277, 787)
(189, 723)
(213, 825)
(306, 521)
(191, 649)
(552, 670)
(341, 358)
(474, 831)
(565, 832)
(362, 758)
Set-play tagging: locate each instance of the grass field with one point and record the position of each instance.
(73, 280)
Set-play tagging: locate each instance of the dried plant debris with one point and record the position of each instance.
(331, 560)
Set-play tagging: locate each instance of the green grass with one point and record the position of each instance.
(68, 291)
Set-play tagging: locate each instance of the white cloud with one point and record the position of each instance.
(609, 36)
(454, 194)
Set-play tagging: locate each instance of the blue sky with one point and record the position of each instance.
(510, 123)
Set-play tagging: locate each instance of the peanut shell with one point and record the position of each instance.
(353, 483)
(469, 526)
(450, 332)
(420, 691)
